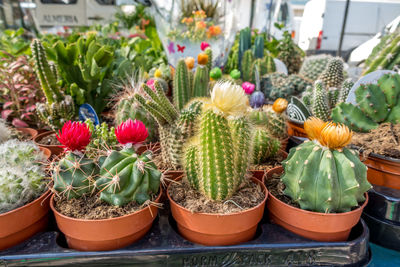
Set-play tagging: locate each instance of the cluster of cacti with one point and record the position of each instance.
(103, 139)
(290, 53)
(250, 57)
(313, 66)
(217, 157)
(127, 108)
(4, 132)
(123, 176)
(22, 176)
(174, 126)
(279, 85)
(386, 55)
(323, 175)
(188, 84)
(376, 103)
(59, 107)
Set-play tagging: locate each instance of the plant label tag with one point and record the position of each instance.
(86, 111)
(372, 77)
(280, 66)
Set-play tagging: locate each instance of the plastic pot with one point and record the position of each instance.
(55, 149)
(29, 131)
(384, 204)
(295, 129)
(259, 174)
(22, 223)
(154, 147)
(218, 229)
(106, 234)
(327, 227)
(383, 171)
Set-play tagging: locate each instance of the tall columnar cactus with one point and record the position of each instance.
(332, 76)
(270, 64)
(181, 87)
(247, 66)
(259, 46)
(74, 174)
(208, 52)
(244, 44)
(22, 177)
(375, 104)
(126, 177)
(218, 150)
(320, 107)
(264, 146)
(59, 108)
(173, 129)
(200, 81)
(323, 175)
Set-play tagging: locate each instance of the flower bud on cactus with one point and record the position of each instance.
(131, 133)
(323, 175)
(22, 177)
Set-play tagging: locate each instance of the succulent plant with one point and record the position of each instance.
(313, 66)
(22, 176)
(58, 108)
(376, 103)
(290, 53)
(279, 85)
(124, 175)
(322, 175)
(217, 158)
(102, 140)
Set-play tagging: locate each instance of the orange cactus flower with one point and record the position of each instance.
(202, 58)
(187, 20)
(200, 14)
(328, 134)
(280, 105)
(200, 25)
(213, 31)
(189, 62)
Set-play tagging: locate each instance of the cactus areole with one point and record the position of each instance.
(322, 175)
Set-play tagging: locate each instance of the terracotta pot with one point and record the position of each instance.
(22, 223)
(218, 229)
(326, 227)
(106, 234)
(154, 147)
(295, 129)
(46, 152)
(29, 131)
(55, 149)
(383, 171)
(284, 143)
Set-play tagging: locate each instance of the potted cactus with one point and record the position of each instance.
(375, 116)
(322, 191)
(24, 198)
(119, 192)
(216, 160)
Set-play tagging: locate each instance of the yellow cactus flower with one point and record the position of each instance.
(158, 73)
(228, 98)
(189, 62)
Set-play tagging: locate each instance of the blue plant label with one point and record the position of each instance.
(86, 111)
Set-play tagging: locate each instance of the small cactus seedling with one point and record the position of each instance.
(322, 175)
(124, 175)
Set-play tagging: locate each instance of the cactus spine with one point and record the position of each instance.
(247, 66)
(200, 83)
(264, 146)
(332, 76)
(346, 86)
(320, 104)
(59, 108)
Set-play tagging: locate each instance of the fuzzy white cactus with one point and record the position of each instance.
(4, 132)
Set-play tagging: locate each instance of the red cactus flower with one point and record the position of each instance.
(74, 136)
(131, 132)
(204, 45)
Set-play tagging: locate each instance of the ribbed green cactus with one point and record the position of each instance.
(200, 82)
(22, 177)
(324, 180)
(320, 107)
(181, 87)
(259, 47)
(247, 66)
(385, 56)
(208, 52)
(244, 44)
(217, 158)
(344, 92)
(332, 76)
(173, 129)
(270, 64)
(375, 104)
(126, 177)
(264, 146)
(74, 175)
(276, 123)
(59, 108)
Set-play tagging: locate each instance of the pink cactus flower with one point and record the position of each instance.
(204, 45)
(248, 87)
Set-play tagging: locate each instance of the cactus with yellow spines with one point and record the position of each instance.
(217, 157)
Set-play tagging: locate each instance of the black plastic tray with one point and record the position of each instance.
(163, 246)
(384, 204)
